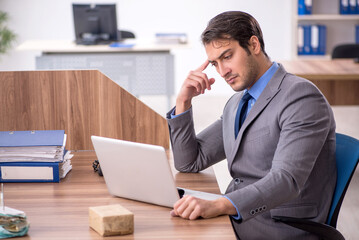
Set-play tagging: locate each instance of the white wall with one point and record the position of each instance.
(52, 19)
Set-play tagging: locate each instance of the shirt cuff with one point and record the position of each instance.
(238, 216)
(173, 113)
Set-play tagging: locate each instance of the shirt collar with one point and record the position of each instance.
(258, 87)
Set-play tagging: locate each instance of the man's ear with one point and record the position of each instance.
(254, 45)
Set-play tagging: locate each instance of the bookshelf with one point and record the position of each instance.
(340, 27)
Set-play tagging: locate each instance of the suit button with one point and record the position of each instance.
(237, 181)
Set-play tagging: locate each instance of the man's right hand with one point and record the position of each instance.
(196, 83)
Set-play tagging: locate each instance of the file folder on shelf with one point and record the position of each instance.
(318, 41)
(304, 7)
(352, 7)
(307, 39)
(344, 6)
(300, 40)
(348, 7)
(304, 40)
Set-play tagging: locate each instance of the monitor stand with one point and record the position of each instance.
(93, 39)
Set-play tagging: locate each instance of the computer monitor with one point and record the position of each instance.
(95, 23)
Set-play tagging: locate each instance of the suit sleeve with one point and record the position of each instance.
(193, 153)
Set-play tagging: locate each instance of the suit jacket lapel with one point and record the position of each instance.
(269, 92)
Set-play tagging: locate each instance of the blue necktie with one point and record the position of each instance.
(241, 112)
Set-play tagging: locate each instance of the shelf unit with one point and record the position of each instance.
(340, 28)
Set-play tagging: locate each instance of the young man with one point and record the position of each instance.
(277, 134)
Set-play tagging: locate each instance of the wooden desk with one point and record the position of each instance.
(337, 79)
(60, 210)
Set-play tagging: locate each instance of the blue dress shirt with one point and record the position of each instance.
(258, 87)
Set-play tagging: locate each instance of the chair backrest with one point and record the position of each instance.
(126, 34)
(347, 156)
(346, 51)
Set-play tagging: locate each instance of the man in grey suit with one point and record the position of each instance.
(277, 134)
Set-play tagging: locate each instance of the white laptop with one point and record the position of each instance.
(139, 172)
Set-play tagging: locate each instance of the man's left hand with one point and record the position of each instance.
(191, 208)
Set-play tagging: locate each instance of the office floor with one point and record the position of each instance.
(208, 108)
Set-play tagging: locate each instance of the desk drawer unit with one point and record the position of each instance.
(139, 73)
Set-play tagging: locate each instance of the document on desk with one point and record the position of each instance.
(201, 195)
(32, 156)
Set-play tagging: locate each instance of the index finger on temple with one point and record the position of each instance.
(203, 66)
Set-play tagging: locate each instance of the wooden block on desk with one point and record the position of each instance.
(111, 220)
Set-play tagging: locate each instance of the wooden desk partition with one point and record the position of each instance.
(83, 102)
(337, 79)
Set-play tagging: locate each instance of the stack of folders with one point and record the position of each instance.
(348, 7)
(34, 156)
(312, 39)
(345, 7)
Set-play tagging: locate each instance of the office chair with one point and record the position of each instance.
(346, 51)
(347, 156)
(126, 34)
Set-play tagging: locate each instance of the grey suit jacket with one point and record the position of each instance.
(282, 162)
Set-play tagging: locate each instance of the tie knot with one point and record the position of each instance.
(246, 97)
